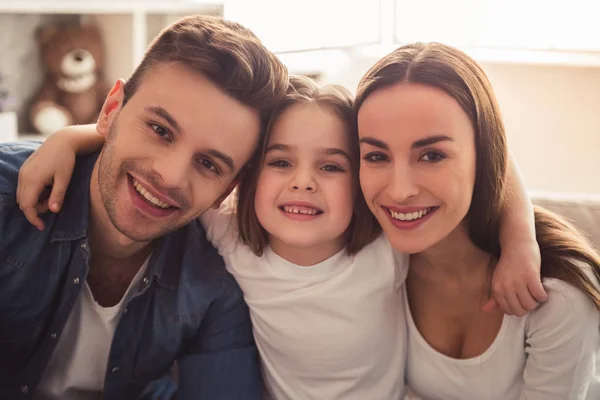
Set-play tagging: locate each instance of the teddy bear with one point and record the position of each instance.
(73, 90)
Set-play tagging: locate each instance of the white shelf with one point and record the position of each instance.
(107, 7)
(126, 26)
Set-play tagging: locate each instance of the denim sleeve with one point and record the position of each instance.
(12, 156)
(223, 362)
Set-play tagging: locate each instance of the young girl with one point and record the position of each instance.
(445, 146)
(321, 283)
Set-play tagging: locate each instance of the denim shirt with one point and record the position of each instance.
(187, 308)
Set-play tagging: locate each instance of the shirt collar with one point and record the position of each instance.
(181, 247)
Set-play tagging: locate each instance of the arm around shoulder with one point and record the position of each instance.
(563, 346)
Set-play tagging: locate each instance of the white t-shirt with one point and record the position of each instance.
(335, 330)
(77, 368)
(553, 353)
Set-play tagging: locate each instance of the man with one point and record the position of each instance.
(121, 283)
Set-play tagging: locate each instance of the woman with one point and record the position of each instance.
(433, 145)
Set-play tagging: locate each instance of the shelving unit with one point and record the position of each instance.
(127, 25)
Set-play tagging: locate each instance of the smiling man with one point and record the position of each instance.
(121, 283)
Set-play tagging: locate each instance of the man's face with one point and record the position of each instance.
(171, 152)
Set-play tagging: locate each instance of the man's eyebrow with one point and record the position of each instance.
(227, 160)
(374, 142)
(332, 151)
(431, 140)
(164, 114)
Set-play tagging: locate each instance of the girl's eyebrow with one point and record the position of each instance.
(278, 146)
(332, 151)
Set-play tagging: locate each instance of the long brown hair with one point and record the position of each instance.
(562, 247)
(363, 228)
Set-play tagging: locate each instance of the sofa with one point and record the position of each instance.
(583, 210)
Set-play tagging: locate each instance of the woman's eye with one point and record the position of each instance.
(279, 164)
(375, 158)
(433, 156)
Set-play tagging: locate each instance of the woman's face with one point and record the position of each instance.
(417, 168)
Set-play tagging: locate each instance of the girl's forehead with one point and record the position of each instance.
(310, 125)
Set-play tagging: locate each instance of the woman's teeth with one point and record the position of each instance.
(151, 199)
(410, 216)
(301, 210)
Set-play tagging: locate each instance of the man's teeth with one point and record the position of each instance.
(410, 216)
(148, 196)
(300, 210)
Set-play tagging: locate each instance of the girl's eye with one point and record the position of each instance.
(159, 130)
(433, 157)
(279, 164)
(375, 158)
(332, 168)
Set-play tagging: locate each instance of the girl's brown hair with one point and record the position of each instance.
(363, 228)
(562, 247)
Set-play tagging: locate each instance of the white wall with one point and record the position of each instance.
(552, 116)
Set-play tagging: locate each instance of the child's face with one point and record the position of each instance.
(305, 194)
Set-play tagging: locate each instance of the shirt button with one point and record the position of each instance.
(24, 389)
(84, 246)
(76, 281)
(115, 370)
(53, 336)
(146, 280)
(125, 311)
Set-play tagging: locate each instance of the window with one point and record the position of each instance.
(285, 26)
(504, 24)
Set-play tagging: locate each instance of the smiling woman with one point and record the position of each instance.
(433, 172)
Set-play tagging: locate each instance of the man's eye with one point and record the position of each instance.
(209, 165)
(159, 130)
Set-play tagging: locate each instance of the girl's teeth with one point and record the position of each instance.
(300, 210)
(148, 196)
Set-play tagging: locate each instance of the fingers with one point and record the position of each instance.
(59, 189)
(504, 306)
(537, 290)
(32, 216)
(490, 306)
(29, 200)
(526, 300)
(515, 305)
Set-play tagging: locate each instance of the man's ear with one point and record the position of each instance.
(226, 193)
(113, 103)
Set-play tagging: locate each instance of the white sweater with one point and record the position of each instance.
(553, 353)
(335, 330)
